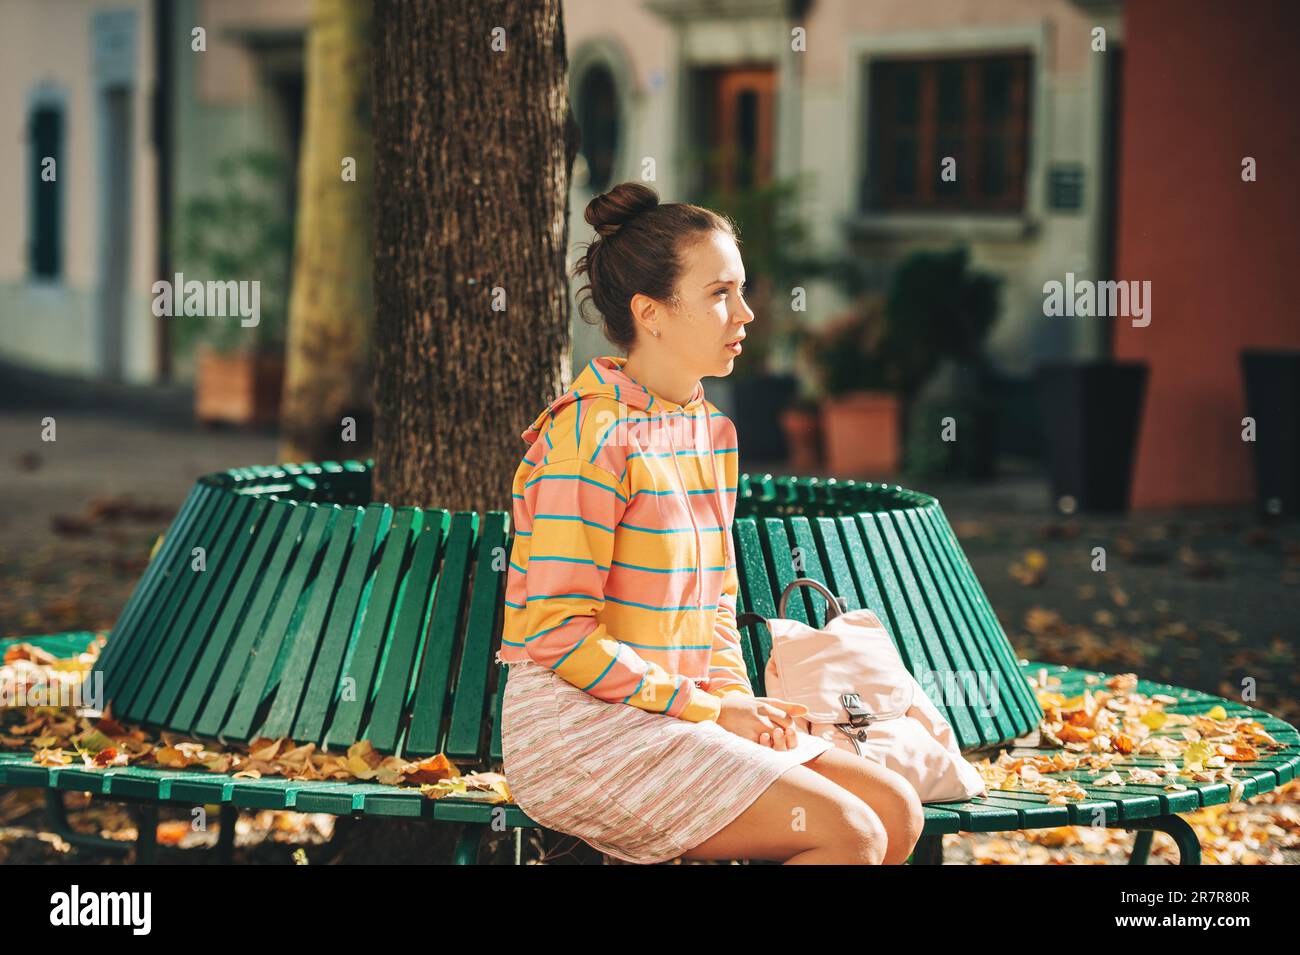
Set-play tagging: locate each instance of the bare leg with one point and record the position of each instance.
(802, 818)
(891, 796)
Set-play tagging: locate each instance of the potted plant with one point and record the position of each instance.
(860, 387)
(801, 425)
(238, 232)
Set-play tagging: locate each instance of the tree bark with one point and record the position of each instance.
(474, 146)
(327, 366)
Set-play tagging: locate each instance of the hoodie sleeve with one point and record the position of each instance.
(564, 543)
(727, 673)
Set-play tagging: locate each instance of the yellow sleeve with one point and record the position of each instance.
(727, 673)
(564, 543)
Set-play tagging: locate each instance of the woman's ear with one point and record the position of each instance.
(645, 313)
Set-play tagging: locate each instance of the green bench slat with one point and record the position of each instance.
(264, 528)
(323, 686)
(934, 628)
(157, 630)
(225, 563)
(993, 635)
(758, 597)
(308, 635)
(412, 616)
(250, 626)
(177, 639)
(265, 658)
(361, 660)
(172, 563)
(901, 601)
(116, 654)
(957, 627)
(1007, 714)
(801, 534)
(469, 703)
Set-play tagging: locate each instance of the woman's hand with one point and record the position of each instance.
(763, 719)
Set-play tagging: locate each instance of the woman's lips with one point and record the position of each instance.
(734, 347)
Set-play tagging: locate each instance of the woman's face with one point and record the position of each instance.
(704, 333)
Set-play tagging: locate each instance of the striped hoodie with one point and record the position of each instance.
(622, 578)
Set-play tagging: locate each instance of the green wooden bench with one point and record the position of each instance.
(310, 587)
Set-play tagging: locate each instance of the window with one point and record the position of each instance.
(597, 117)
(974, 110)
(45, 244)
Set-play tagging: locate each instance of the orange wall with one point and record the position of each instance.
(1206, 83)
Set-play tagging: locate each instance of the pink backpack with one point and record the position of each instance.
(860, 696)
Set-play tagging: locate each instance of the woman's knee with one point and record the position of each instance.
(892, 798)
(896, 801)
(905, 822)
(859, 836)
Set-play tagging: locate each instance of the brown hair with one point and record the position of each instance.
(638, 247)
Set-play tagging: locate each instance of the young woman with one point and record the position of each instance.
(628, 718)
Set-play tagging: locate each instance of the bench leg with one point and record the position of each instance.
(1184, 836)
(57, 813)
(468, 844)
(226, 834)
(1141, 846)
(146, 843)
(927, 851)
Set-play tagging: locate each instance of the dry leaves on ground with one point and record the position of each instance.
(67, 736)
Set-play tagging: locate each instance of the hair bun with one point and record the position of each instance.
(610, 211)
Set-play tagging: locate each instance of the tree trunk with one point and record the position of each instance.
(474, 145)
(327, 367)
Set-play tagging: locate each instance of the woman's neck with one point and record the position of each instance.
(662, 378)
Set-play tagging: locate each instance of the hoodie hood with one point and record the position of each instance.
(605, 377)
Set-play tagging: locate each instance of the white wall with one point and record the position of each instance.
(50, 46)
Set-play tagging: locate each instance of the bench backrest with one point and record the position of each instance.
(282, 603)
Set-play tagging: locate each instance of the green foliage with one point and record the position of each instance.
(847, 352)
(934, 309)
(938, 307)
(238, 231)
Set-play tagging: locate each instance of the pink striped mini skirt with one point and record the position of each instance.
(642, 787)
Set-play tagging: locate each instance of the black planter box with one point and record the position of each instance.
(759, 402)
(1091, 413)
(1273, 400)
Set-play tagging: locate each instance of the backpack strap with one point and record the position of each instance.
(834, 605)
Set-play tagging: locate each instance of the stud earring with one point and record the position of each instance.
(654, 332)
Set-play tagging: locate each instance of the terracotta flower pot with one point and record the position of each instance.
(802, 427)
(861, 434)
(238, 388)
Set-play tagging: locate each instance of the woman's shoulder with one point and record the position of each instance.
(585, 434)
(720, 424)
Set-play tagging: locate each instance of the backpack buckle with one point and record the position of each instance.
(859, 715)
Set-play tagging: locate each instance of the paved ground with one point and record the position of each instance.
(1205, 599)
